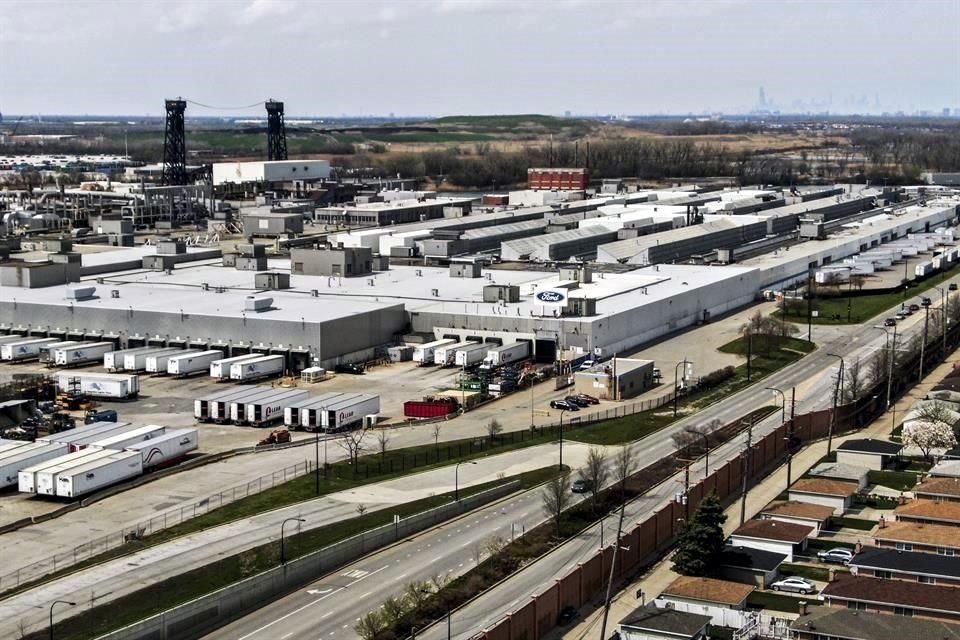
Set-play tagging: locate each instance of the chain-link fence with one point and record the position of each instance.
(158, 523)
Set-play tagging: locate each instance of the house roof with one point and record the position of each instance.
(839, 471)
(794, 509)
(938, 535)
(825, 487)
(869, 445)
(930, 510)
(708, 590)
(946, 468)
(853, 625)
(665, 620)
(774, 530)
(902, 593)
(749, 558)
(939, 487)
(912, 562)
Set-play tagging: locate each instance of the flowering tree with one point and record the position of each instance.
(928, 435)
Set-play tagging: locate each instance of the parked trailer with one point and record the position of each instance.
(923, 269)
(138, 361)
(97, 474)
(424, 353)
(343, 415)
(237, 408)
(46, 355)
(445, 355)
(81, 437)
(14, 461)
(311, 417)
(7, 445)
(293, 414)
(114, 360)
(507, 354)
(220, 369)
(118, 386)
(157, 363)
(41, 478)
(120, 441)
(81, 354)
(262, 367)
(28, 349)
(202, 407)
(166, 448)
(188, 365)
(469, 356)
(268, 410)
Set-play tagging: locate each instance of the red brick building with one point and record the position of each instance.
(561, 179)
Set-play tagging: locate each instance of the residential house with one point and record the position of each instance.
(897, 597)
(723, 601)
(805, 513)
(820, 623)
(837, 471)
(911, 566)
(750, 566)
(946, 469)
(939, 489)
(785, 538)
(941, 539)
(655, 623)
(929, 512)
(832, 493)
(869, 453)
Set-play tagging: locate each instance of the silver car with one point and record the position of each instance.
(796, 584)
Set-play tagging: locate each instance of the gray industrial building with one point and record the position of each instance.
(557, 246)
(346, 262)
(264, 223)
(382, 214)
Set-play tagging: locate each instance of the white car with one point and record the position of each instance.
(587, 364)
(799, 585)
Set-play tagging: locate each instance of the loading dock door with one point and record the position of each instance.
(546, 351)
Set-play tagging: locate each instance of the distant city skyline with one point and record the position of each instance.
(444, 57)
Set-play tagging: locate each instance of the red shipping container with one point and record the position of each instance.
(424, 409)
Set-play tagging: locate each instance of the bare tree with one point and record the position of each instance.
(383, 441)
(476, 552)
(879, 368)
(436, 434)
(556, 498)
(624, 464)
(596, 470)
(361, 509)
(854, 381)
(495, 544)
(858, 280)
(352, 442)
(417, 592)
(494, 429)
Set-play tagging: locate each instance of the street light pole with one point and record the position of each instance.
(783, 411)
(562, 411)
(316, 459)
(283, 548)
(923, 343)
(943, 320)
(456, 479)
(52, 605)
(706, 450)
(838, 389)
(676, 383)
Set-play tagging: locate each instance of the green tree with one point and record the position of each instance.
(701, 541)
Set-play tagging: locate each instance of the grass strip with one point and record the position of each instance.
(778, 601)
(173, 591)
(896, 480)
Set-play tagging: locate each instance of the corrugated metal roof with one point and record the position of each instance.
(626, 249)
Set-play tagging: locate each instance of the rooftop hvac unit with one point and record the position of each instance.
(315, 293)
(435, 293)
(205, 286)
(99, 280)
(256, 304)
(80, 293)
(419, 272)
(370, 281)
(114, 293)
(168, 271)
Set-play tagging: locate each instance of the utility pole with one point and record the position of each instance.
(923, 343)
(745, 468)
(749, 351)
(809, 309)
(613, 568)
(837, 390)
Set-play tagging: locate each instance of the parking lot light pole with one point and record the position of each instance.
(456, 479)
(283, 548)
(562, 411)
(676, 383)
(783, 412)
(52, 605)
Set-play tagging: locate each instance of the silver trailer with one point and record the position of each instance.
(120, 386)
(113, 361)
(46, 351)
(187, 365)
(138, 361)
(445, 355)
(14, 461)
(258, 368)
(98, 474)
(166, 448)
(423, 354)
(7, 445)
(157, 363)
(81, 437)
(344, 415)
(121, 441)
(469, 356)
(293, 415)
(41, 478)
(269, 409)
(202, 407)
(24, 349)
(311, 417)
(81, 354)
(237, 408)
(220, 369)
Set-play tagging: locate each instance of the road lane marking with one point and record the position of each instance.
(310, 604)
(286, 636)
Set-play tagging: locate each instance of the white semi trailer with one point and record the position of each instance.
(190, 364)
(257, 369)
(220, 369)
(81, 354)
(98, 474)
(424, 353)
(166, 448)
(343, 415)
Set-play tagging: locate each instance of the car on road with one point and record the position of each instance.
(583, 485)
(577, 401)
(953, 286)
(795, 584)
(587, 364)
(926, 302)
(588, 398)
(349, 367)
(890, 322)
(563, 405)
(837, 554)
(914, 308)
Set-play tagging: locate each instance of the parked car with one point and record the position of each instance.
(953, 286)
(583, 485)
(587, 364)
(577, 401)
(588, 398)
(914, 307)
(564, 405)
(837, 554)
(349, 367)
(926, 302)
(890, 322)
(796, 584)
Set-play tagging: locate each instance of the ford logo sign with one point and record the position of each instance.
(550, 296)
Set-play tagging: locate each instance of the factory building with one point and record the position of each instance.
(382, 214)
(270, 172)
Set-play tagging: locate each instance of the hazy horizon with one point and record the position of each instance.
(444, 57)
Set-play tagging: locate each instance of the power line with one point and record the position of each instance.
(207, 106)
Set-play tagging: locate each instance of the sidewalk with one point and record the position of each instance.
(660, 575)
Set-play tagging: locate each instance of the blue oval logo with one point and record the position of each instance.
(550, 296)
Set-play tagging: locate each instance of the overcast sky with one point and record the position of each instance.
(436, 57)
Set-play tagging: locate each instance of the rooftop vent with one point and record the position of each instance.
(80, 293)
(258, 304)
(114, 293)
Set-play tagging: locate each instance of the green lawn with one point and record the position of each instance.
(187, 586)
(779, 601)
(823, 544)
(896, 480)
(860, 524)
(803, 571)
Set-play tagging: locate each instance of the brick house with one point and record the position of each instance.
(896, 597)
(911, 566)
(938, 489)
(830, 493)
(929, 512)
(912, 536)
(805, 513)
(785, 538)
